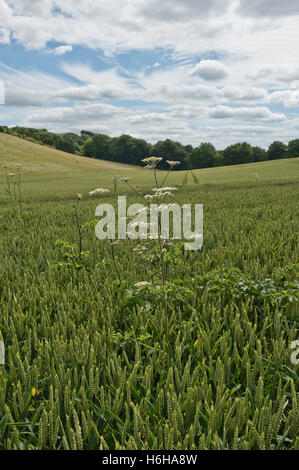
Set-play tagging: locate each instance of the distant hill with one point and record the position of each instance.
(44, 159)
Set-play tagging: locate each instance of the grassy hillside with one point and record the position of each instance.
(50, 173)
(42, 159)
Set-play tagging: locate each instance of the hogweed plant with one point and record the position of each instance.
(78, 225)
(98, 191)
(73, 253)
(8, 176)
(127, 182)
(115, 181)
(161, 192)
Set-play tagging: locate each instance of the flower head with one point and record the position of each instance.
(98, 191)
(162, 190)
(166, 194)
(172, 163)
(151, 162)
(142, 284)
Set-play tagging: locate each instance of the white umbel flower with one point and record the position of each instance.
(98, 191)
(142, 284)
(162, 190)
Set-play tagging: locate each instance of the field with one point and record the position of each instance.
(96, 360)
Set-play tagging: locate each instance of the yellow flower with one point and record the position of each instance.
(33, 392)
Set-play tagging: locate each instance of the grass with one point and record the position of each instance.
(202, 362)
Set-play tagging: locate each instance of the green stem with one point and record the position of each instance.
(162, 184)
(79, 230)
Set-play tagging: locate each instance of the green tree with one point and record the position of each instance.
(219, 160)
(277, 150)
(238, 153)
(203, 156)
(293, 148)
(170, 150)
(98, 147)
(127, 149)
(65, 144)
(259, 154)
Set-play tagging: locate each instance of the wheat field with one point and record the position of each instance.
(101, 354)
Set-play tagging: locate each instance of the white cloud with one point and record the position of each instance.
(289, 98)
(270, 8)
(91, 93)
(296, 123)
(32, 7)
(211, 70)
(176, 10)
(189, 111)
(148, 117)
(280, 73)
(197, 93)
(246, 114)
(62, 49)
(242, 130)
(17, 96)
(4, 36)
(71, 115)
(244, 94)
(6, 14)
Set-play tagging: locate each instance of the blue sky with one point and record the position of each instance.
(193, 71)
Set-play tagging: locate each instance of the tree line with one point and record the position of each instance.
(129, 150)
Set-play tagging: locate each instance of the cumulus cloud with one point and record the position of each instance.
(246, 114)
(242, 130)
(211, 70)
(193, 92)
(6, 14)
(17, 96)
(189, 111)
(31, 7)
(4, 36)
(92, 93)
(176, 10)
(148, 117)
(60, 50)
(270, 8)
(295, 123)
(71, 115)
(289, 98)
(244, 94)
(276, 72)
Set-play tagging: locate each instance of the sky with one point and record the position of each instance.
(219, 71)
